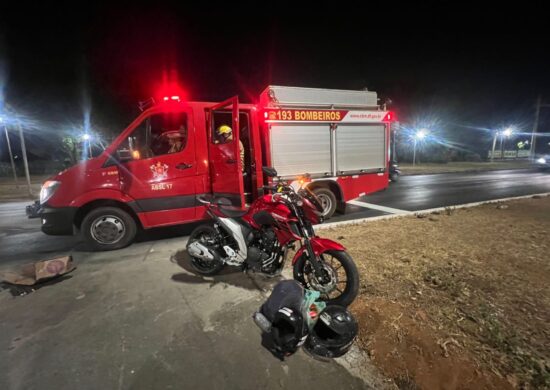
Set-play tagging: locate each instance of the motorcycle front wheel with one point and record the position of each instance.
(342, 278)
(206, 235)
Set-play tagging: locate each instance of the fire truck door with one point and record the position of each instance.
(161, 175)
(224, 148)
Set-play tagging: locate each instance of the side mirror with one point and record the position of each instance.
(269, 171)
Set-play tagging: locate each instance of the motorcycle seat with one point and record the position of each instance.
(232, 212)
(224, 206)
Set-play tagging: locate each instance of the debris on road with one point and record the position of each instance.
(30, 274)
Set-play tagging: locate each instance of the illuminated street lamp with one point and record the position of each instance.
(419, 136)
(503, 133)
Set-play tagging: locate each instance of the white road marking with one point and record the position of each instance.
(377, 207)
(426, 211)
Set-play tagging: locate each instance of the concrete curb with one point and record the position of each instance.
(469, 171)
(425, 211)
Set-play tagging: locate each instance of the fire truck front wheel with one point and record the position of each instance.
(327, 200)
(108, 228)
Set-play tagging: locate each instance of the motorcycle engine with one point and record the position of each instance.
(264, 252)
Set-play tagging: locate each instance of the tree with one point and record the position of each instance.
(71, 148)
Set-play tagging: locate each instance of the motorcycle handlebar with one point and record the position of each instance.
(280, 189)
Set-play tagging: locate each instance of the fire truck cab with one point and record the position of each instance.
(152, 173)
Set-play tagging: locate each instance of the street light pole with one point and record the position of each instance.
(494, 144)
(25, 162)
(535, 129)
(505, 133)
(414, 152)
(11, 157)
(420, 134)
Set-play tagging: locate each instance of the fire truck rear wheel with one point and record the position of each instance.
(327, 199)
(108, 228)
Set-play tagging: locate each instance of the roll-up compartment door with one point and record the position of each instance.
(299, 149)
(360, 147)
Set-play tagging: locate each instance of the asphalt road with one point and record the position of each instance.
(421, 192)
(139, 318)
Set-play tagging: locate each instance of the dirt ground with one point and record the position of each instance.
(462, 166)
(10, 191)
(458, 299)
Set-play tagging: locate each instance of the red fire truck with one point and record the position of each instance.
(152, 173)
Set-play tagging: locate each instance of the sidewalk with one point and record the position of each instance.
(461, 166)
(138, 318)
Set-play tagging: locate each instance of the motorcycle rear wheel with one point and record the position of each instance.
(205, 234)
(343, 287)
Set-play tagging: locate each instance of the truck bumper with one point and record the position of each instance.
(56, 221)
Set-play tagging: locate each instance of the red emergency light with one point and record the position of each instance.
(170, 92)
(173, 98)
(389, 117)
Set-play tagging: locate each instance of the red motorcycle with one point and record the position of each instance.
(260, 237)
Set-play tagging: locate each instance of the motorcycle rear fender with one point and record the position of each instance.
(320, 246)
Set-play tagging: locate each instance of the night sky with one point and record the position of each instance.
(468, 66)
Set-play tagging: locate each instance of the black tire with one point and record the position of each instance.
(205, 267)
(302, 268)
(394, 177)
(327, 199)
(108, 228)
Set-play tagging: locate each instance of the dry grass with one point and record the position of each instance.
(9, 191)
(458, 299)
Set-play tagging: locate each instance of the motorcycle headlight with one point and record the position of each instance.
(48, 189)
(541, 160)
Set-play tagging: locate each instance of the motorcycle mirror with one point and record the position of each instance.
(269, 171)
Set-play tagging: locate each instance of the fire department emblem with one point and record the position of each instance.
(159, 170)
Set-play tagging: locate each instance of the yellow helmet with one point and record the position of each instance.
(224, 129)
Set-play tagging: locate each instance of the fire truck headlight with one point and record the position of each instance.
(541, 160)
(48, 189)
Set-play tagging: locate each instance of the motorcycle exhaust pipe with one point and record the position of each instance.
(196, 249)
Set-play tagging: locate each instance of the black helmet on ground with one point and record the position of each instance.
(288, 331)
(333, 334)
